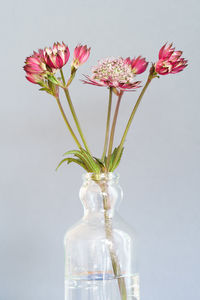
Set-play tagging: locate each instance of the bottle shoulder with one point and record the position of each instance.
(93, 228)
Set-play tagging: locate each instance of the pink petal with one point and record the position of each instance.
(67, 54)
(77, 51)
(166, 51)
(59, 61)
(32, 60)
(92, 81)
(33, 69)
(128, 61)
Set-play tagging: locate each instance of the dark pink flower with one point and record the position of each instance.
(36, 68)
(81, 55)
(113, 72)
(170, 61)
(57, 56)
(138, 64)
(35, 64)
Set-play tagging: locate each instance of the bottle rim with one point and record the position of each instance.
(107, 176)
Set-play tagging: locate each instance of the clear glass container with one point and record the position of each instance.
(100, 260)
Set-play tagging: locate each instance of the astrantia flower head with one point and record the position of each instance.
(36, 68)
(170, 61)
(138, 64)
(35, 63)
(57, 56)
(81, 55)
(113, 72)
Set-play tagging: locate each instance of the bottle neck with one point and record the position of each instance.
(100, 193)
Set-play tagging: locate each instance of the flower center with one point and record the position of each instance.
(167, 65)
(114, 70)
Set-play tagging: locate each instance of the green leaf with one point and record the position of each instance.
(43, 89)
(118, 161)
(94, 165)
(113, 155)
(46, 90)
(53, 79)
(83, 157)
(69, 160)
(111, 167)
(61, 162)
(100, 162)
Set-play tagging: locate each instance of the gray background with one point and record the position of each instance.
(160, 168)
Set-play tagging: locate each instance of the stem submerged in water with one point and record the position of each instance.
(112, 250)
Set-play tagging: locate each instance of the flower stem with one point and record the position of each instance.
(73, 112)
(63, 77)
(150, 77)
(67, 123)
(109, 235)
(112, 133)
(107, 124)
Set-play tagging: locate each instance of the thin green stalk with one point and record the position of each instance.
(73, 112)
(67, 123)
(63, 77)
(150, 77)
(112, 133)
(107, 124)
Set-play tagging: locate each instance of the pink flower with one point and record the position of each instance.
(36, 68)
(35, 64)
(81, 55)
(57, 56)
(170, 61)
(113, 72)
(138, 64)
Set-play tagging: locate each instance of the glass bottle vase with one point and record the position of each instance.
(100, 261)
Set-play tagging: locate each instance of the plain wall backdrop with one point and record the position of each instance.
(161, 163)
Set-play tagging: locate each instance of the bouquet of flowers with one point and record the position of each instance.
(118, 75)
